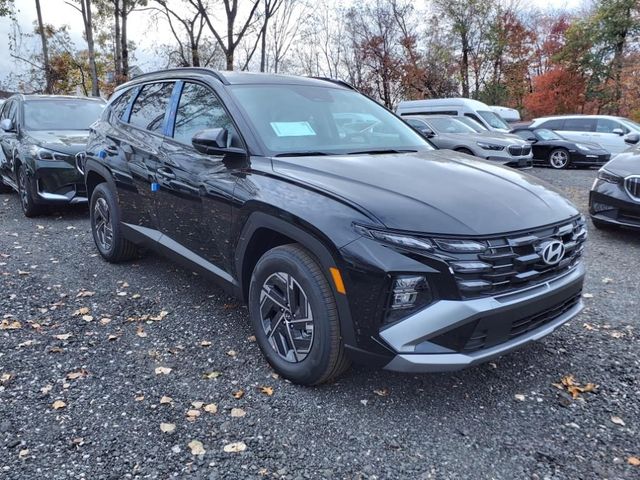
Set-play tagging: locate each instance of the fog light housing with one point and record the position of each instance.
(598, 207)
(409, 293)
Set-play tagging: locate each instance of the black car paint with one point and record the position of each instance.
(542, 149)
(52, 176)
(225, 212)
(610, 203)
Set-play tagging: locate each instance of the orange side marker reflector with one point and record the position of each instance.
(337, 280)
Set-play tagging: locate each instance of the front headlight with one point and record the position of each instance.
(490, 146)
(45, 154)
(607, 176)
(582, 146)
(396, 239)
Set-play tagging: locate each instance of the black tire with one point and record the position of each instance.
(465, 150)
(113, 247)
(25, 190)
(559, 158)
(326, 358)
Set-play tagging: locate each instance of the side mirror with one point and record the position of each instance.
(532, 139)
(632, 138)
(213, 141)
(427, 132)
(7, 125)
(618, 131)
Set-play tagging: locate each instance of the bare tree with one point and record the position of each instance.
(45, 50)
(85, 10)
(192, 25)
(230, 39)
(283, 32)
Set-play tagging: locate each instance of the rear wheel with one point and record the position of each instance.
(295, 318)
(559, 158)
(29, 207)
(106, 227)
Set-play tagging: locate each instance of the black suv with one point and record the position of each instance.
(40, 136)
(347, 234)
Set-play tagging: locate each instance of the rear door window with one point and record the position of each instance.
(119, 107)
(556, 124)
(148, 110)
(579, 125)
(199, 109)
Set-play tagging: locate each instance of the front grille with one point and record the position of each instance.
(632, 186)
(491, 331)
(517, 150)
(513, 262)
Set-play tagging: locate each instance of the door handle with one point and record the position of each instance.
(166, 173)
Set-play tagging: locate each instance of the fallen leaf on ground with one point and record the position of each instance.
(196, 447)
(168, 427)
(205, 343)
(266, 390)
(135, 296)
(607, 280)
(139, 398)
(160, 316)
(166, 399)
(252, 338)
(140, 332)
(238, 394)
(520, 397)
(383, 392)
(10, 325)
(197, 404)
(232, 353)
(635, 461)
(235, 447)
(23, 453)
(46, 389)
(122, 294)
(113, 336)
(238, 412)
(618, 421)
(587, 295)
(5, 377)
(193, 414)
(163, 370)
(23, 272)
(85, 293)
(211, 408)
(87, 318)
(569, 384)
(77, 374)
(58, 404)
(105, 321)
(81, 311)
(211, 375)
(63, 336)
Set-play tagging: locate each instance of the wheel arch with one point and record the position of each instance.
(96, 174)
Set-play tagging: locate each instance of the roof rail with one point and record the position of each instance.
(342, 83)
(218, 75)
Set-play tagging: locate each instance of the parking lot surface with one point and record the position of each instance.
(132, 371)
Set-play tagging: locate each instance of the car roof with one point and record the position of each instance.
(235, 78)
(58, 97)
(441, 102)
(559, 117)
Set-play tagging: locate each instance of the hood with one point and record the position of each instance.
(63, 141)
(504, 139)
(625, 163)
(437, 191)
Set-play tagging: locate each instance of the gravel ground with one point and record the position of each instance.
(81, 391)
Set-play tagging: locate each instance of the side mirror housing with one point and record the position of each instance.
(618, 131)
(427, 132)
(7, 125)
(213, 141)
(532, 139)
(632, 138)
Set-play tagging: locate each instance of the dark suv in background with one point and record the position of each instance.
(347, 234)
(40, 136)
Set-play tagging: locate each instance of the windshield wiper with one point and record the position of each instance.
(379, 152)
(302, 154)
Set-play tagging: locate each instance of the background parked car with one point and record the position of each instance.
(448, 132)
(460, 107)
(552, 149)
(614, 199)
(607, 131)
(40, 136)
(509, 115)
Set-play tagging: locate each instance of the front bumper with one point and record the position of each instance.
(589, 160)
(514, 162)
(426, 341)
(610, 204)
(58, 182)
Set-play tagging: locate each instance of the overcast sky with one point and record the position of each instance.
(58, 13)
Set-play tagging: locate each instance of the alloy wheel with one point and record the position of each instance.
(22, 187)
(559, 159)
(102, 224)
(286, 316)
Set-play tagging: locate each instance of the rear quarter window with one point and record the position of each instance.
(119, 106)
(150, 106)
(552, 124)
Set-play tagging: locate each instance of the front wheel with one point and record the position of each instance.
(106, 228)
(559, 158)
(29, 207)
(295, 318)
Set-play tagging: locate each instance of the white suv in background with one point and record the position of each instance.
(607, 131)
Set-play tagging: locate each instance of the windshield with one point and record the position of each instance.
(471, 123)
(67, 114)
(493, 120)
(544, 134)
(302, 119)
(630, 124)
(449, 125)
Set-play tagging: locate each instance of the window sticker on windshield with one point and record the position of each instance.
(292, 129)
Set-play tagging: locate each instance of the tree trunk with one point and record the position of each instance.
(195, 54)
(117, 50)
(88, 28)
(45, 52)
(230, 45)
(263, 40)
(123, 41)
(464, 66)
